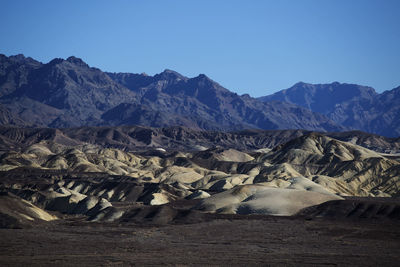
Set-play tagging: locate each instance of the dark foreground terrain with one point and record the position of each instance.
(214, 240)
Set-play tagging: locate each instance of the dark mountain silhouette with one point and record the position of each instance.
(351, 105)
(212, 106)
(14, 72)
(387, 121)
(66, 93)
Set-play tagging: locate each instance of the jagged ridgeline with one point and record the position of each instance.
(66, 93)
(351, 105)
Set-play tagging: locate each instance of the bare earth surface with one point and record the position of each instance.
(222, 240)
(87, 204)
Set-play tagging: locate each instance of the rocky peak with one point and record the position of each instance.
(77, 61)
(56, 61)
(168, 74)
(19, 57)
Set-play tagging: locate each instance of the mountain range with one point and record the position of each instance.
(351, 105)
(70, 93)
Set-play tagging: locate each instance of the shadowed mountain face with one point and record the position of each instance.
(14, 71)
(322, 98)
(210, 106)
(65, 93)
(69, 93)
(351, 105)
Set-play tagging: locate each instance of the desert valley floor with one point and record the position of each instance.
(142, 196)
(222, 240)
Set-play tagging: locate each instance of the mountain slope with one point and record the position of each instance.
(387, 121)
(9, 118)
(354, 106)
(65, 93)
(14, 72)
(322, 98)
(203, 98)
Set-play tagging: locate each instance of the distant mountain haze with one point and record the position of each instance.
(69, 93)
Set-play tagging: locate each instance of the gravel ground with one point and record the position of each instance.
(222, 241)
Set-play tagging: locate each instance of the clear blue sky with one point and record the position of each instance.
(255, 47)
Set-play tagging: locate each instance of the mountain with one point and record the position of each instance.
(387, 121)
(64, 92)
(322, 98)
(69, 93)
(212, 106)
(14, 72)
(351, 105)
